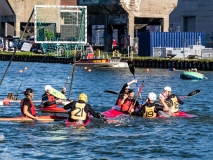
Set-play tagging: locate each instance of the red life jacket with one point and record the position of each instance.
(6, 101)
(31, 108)
(51, 98)
(127, 105)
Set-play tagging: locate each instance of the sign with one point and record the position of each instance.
(26, 47)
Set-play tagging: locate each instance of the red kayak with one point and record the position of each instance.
(54, 110)
(113, 113)
(78, 123)
(40, 118)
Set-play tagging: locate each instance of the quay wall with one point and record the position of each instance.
(205, 65)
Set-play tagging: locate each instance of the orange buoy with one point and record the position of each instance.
(25, 68)
(85, 67)
(20, 71)
(89, 70)
(147, 70)
(173, 69)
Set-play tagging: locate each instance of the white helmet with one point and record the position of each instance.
(167, 88)
(47, 87)
(152, 96)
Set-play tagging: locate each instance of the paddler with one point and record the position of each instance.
(48, 100)
(128, 104)
(124, 91)
(80, 109)
(150, 109)
(27, 106)
(173, 102)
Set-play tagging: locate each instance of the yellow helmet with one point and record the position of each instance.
(83, 97)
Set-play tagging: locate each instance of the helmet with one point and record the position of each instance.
(28, 91)
(167, 88)
(152, 96)
(47, 87)
(83, 97)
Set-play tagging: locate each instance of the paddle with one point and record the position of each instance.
(112, 92)
(57, 94)
(132, 70)
(193, 93)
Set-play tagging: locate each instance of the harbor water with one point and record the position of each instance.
(133, 138)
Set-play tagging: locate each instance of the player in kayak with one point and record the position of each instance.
(128, 104)
(27, 106)
(124, 92)
(48, 100)
(79, 110)
(150, 109)
(173, 102)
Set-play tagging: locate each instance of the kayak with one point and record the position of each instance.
(113, 113)
(40, 118)
(77, 124)
(191, 75)
(54, 110)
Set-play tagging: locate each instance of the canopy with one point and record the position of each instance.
(5, 8)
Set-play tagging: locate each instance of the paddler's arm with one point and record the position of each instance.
(70, 105)
(26, 113)
(93, 113)
(165, 107)
(180, 101)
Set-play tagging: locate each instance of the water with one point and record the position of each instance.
(136, 138)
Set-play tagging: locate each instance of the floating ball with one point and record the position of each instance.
(25, 68)
(147, 70)
(89, 70)
(173, 69)
(20, 71)
(85, 67)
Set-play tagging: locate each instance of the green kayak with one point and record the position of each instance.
(191, 75)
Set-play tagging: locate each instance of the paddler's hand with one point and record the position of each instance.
(58, 100)
(100, 115)
(35, 118)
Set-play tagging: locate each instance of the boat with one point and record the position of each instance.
(54, 110)
(78, 123)
(88, 59)
(114, 113)
(50, 118)
(191, 75)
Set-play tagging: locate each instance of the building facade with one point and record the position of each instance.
(193, 16)
(111, 23)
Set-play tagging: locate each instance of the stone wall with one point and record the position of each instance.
(149, 9)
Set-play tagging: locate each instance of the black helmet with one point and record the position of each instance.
(28, 91)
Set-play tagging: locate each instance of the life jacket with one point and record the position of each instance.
(149, 111)
(127, 105)
(172, 103)
(78, 113)
(6, 101)
(51, 98)
(31, 108)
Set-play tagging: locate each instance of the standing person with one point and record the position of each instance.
(80, 109)
(48, 100)
(124, 91)
(173, 102)
(27, 106)
(150, 109)
(128, 104)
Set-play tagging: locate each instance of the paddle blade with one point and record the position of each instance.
(57, 94)
(193, 93)
(112, 92)
(131, 67)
